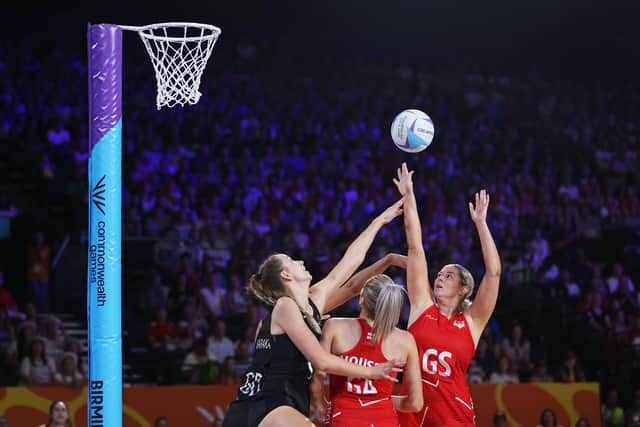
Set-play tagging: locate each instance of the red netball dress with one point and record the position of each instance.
(357, 402)
(445, 348)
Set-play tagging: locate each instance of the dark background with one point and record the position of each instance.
(580, 39)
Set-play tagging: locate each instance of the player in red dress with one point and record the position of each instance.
(369, 340)
(446, 330)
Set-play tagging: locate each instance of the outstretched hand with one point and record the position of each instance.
(479, 211)
(391, 212)
(404, 181)
(384, 370)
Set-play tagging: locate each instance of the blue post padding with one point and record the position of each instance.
(104, 394)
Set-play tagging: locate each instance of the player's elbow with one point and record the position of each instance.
(414, 249)
(494, 271)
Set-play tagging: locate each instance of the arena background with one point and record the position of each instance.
(579, 50)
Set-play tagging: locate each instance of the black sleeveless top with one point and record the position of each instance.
(279, 370)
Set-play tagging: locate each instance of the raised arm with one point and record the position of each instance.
(418, 285)
(353, 286)
(286, 315)
(485, 301)
(322, 293)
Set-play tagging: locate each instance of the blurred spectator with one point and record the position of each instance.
(161, 422)
(68, 374)
(538, 250)
(4, 422)
(38, 270)
(156, 293)
(475, 373)
(541, 374)
(582, 422)
(571, 289)
(192, 326)
(36, 368)
(612, 414)
(26, 332)
(163, 340)
(9, 369)
(298, 239)
(236, 301)
(243, 356)
(7, 332)
(161, 332)
(571, 370)
(484, 356)
(74, 347)
(31, 311)
(619, 281)
(500, 420)
(198, 366)
(185, 268)
(517, 348)
(597, 319)
(505, 372)
(219, 345)
(8, 301)
(634, 411)
(228, 372)
(179, 295)
(214, 294)
(548, 419)
(53, 339)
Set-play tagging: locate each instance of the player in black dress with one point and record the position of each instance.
(274, 390)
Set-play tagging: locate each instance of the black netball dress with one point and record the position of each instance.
(278, 376)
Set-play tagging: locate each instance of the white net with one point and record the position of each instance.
(179, 53)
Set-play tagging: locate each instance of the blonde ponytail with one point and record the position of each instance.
(383, 301)
(466, 278)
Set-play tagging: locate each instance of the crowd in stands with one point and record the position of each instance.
(284, 155)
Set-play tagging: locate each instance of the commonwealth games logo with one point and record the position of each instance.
(97, 194)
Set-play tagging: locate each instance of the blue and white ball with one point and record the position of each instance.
(412, 131)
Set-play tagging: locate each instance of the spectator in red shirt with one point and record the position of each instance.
(6, 298)
(161, 332)
(163, 340)
(38, 270)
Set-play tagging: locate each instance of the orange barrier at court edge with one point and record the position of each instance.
(196, 406)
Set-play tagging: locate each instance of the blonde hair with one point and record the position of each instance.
(382, 300)
(466, 278)
(267, 286)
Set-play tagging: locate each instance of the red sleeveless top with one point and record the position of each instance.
(445, 348)
(358, 401)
